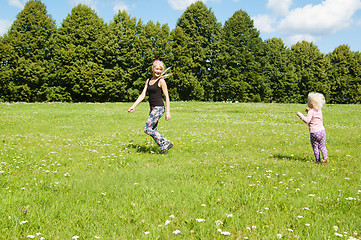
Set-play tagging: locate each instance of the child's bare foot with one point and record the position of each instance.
(325, 160)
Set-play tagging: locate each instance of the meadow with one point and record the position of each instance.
(236, 171)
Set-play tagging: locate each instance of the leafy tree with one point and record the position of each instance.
(193, 48)
(79, 41)
(311, 69)
(132, 48)
(243, 57)
(345, 73)
(281, 72)
(27, 50)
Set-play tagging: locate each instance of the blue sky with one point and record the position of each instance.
(326, 23)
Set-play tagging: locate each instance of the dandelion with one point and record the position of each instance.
(176, 232)
(218, 222)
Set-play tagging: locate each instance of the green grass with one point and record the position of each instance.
(88, 170)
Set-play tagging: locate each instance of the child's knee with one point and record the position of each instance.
(147, 130)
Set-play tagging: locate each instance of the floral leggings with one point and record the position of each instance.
(318, 140)
(150, 127)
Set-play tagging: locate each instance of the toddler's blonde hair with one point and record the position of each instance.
(316, 99)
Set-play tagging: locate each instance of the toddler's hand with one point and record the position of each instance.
(299, 114)
(307, 110)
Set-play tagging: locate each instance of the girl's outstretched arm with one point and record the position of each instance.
(140, 98)
(164, 87)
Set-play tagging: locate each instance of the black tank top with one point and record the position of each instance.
(155, 94)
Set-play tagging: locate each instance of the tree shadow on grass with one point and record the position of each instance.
(291, 157)
(145, 147)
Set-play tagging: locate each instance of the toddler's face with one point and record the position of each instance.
(309, 104)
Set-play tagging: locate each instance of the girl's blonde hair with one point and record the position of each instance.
(317, 100)
(161, 64)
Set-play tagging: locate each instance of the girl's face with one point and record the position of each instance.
(309, 104)
(157, 70)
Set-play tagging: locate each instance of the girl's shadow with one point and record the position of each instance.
(146, 147)
(291, 157)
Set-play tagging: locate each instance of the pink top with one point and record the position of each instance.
(314, 120)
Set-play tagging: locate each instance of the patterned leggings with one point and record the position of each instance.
(318, 140)
(150, 127)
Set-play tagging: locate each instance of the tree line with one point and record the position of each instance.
(88, 60)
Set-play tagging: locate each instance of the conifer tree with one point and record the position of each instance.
(77, 57)
(346, 75)
(281, 72)
(131, 64)
(193, 48)
(311, 69)
(243, 56)
(28, 49)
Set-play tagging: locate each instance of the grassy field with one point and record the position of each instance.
(237, 171)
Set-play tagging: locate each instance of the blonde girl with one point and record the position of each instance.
(155, 87)
(314, 120)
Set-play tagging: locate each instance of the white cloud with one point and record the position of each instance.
(4, 26)
(264, 23)
(16, 3)
(120, 6)
(279, 7)
(311, 22)
(323, 19)
(181, 5)
(301, 37)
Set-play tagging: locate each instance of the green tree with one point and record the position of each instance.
(281, 72)
(345, 74)
(79, 45)
(311, 69)
(132, 48)
(243, 59)
(26, 52)
(193, 44)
